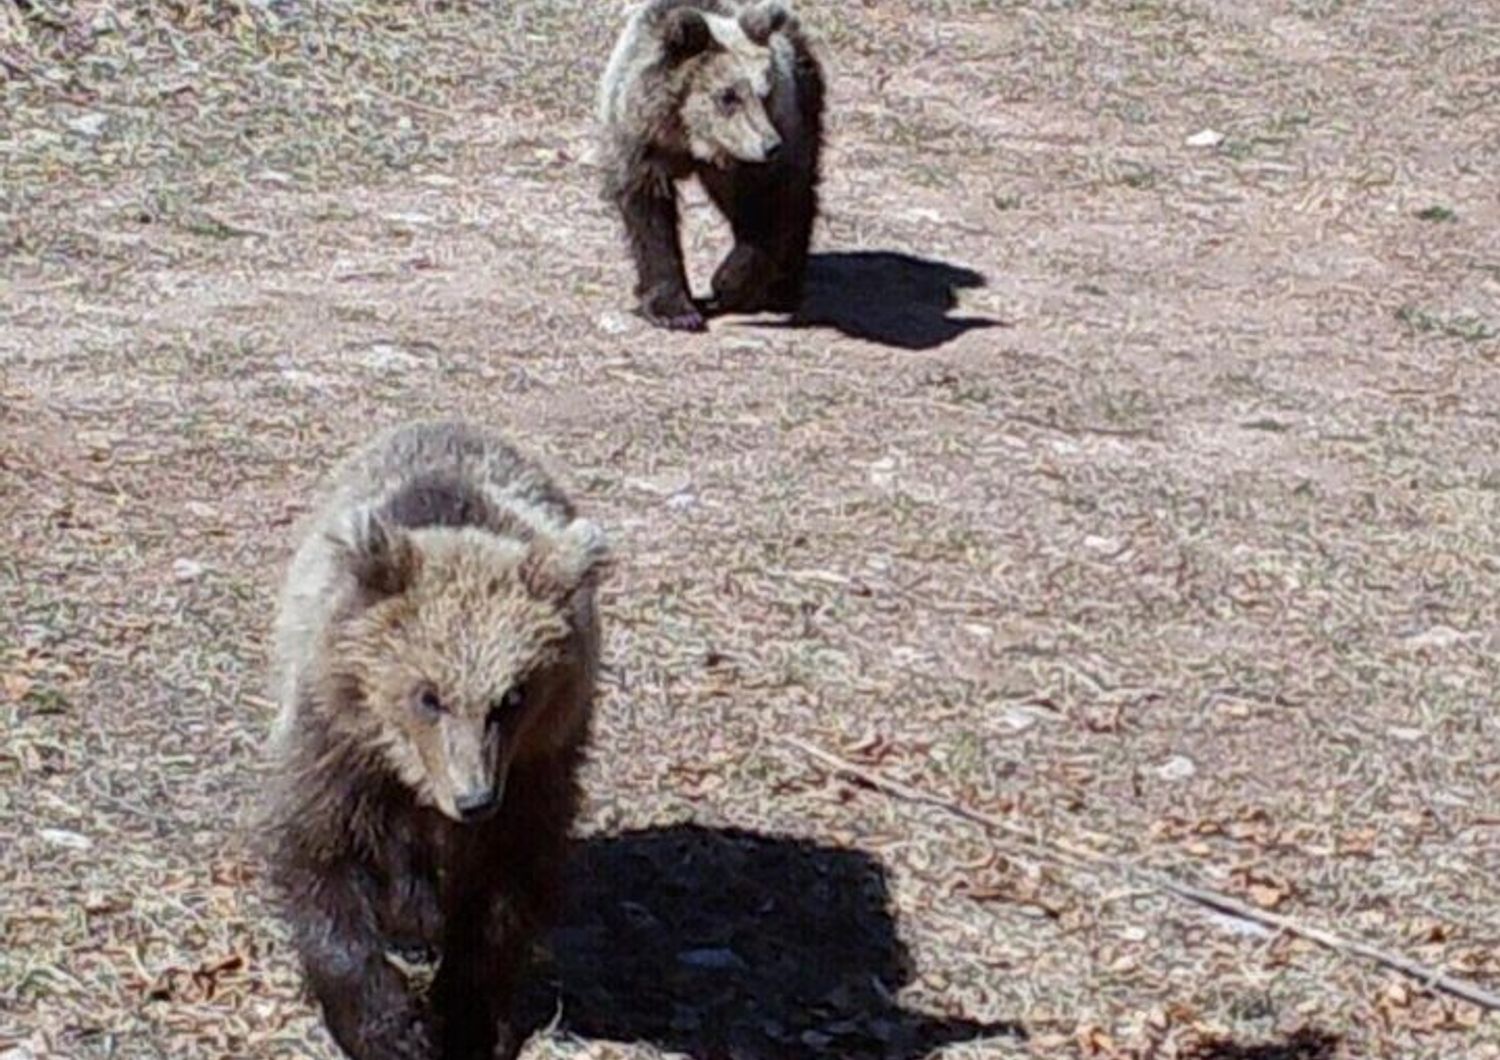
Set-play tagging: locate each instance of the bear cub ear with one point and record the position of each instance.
(558, 564)
(684, 33)
(378, 555)
(761, 20)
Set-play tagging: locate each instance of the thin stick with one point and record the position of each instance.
(1429, 977)
(910, 794)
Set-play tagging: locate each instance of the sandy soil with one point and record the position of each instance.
(1134, 479)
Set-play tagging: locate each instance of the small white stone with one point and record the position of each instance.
(1405, 733)
(1437, 637)
(923, 213)
(1017, 719)
(90, 124)
(1205, 138)
(413, 219)
(1178, 767)
(185, 570)
(306, 380)
(662, 487)
(386, 357)
(62, 837)
(614, 323)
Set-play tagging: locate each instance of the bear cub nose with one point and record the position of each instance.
(475, 804)
(772, 150)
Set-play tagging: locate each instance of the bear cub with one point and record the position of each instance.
(729, 93)
(435, 657)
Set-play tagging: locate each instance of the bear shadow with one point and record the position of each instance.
(1307, 1044)
(886, 297)
(729, 945)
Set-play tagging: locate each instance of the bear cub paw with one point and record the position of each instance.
(672, 310)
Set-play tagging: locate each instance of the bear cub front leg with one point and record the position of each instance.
(650, 213)
(366, 1003)
(472, 996)
(753, 277)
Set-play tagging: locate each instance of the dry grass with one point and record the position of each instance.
(1178, 541)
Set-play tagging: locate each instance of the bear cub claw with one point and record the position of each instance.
(673, 311)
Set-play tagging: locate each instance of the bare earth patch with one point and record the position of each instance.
(1133, 478)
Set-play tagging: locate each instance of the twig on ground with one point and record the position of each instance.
(1428, 976)
(1057, 849)
(1068, 854)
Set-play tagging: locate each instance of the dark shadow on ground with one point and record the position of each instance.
(729, 945)
(1303, 1045)
(881, 296)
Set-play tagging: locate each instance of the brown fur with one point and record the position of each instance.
(705, 88)
(436, 642)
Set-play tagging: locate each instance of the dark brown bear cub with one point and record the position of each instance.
(435, 661)
(729, 93)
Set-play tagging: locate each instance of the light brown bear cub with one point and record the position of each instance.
(732, 94)
(435, 659)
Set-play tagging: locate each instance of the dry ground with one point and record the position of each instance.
(1153, 505)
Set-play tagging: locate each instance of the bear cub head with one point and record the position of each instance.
(458, 653)
(724, 69)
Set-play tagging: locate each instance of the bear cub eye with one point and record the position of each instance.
(428, 704)
(503, 706)
(727, 99)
